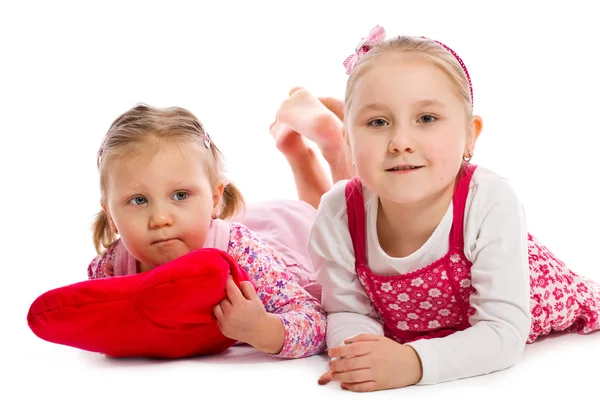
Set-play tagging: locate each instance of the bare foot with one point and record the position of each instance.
(304, 113)
(289, 142)
(334, 105)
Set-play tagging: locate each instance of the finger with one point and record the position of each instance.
(233, 292)
(226, 306)
(363, 337)
(248, 291)
(218, 311)
(368, 386)
(349, 364)
(351, 350)
(325, 378)
(356, 376)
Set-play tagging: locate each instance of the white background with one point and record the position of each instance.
(67, 69)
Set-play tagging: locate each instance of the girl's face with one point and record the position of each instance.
(161, 203)
(408, 129)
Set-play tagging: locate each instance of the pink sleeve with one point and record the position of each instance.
(302, 315)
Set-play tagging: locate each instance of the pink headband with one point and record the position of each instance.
(377, 35)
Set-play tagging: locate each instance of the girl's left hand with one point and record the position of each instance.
(240, 315)
(372, 362)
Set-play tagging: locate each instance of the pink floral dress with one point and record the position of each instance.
(433, 301)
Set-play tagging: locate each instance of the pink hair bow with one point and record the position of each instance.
(376, 35)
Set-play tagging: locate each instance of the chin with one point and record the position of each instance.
(165, 258)
(404, 199)
(402, 194)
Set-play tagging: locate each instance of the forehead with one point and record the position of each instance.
(404, 76)
(158, 163)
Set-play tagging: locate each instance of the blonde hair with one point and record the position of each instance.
(131, 132)
(430, 49)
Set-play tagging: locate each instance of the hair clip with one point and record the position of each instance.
(377, 35)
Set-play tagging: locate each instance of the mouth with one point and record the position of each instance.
(404, 168)
(165, 241)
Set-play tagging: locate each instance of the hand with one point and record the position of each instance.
(240, 315)
(372, 362)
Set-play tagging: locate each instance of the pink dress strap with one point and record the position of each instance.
(355, 205)
(459, 201)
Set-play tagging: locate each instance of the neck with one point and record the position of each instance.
(404, 228)
(142, 267)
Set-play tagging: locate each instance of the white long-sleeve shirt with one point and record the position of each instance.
(495, 237)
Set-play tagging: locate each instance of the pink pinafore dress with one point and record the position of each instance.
(433, 301)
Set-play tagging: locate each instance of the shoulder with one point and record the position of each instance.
(239, 233)
(493, 208)
(244, 241)
(489, 189)
(333, 203)
(330, 242)
(103, 265)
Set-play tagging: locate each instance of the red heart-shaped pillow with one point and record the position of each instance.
(162, 313)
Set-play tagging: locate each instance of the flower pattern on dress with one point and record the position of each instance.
(434, 301)
(426, 297)
(302, 315)
(560, 299)
(103, 266)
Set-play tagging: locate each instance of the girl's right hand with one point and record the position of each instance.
(326, 378)
(368, 363)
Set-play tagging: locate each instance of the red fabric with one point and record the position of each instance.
(163, 313)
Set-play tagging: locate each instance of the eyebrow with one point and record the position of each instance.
(372, 106)
(420, 103)
(429, 103)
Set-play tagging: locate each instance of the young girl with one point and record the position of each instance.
(163, 191)
(428, 271)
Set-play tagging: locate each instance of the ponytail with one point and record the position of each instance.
(103, 236)
(233, 201)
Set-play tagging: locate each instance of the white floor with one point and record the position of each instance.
(554, 368)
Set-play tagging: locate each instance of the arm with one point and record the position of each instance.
(296, 320)
(349, 309)
(496, 243)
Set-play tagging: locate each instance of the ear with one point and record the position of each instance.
(217, 197)
(111, 223)
(475, 129)
(348, 157)
(345, 136)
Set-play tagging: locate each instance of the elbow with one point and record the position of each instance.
(511, 343)
(515, 350)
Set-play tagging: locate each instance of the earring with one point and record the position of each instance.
(214, 215)
(468, 158)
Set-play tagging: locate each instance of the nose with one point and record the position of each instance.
(160, 217)
(401, 140)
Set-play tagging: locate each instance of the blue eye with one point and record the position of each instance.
(379, 122)
(427, 119)
(180, 196)
(138, 201)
